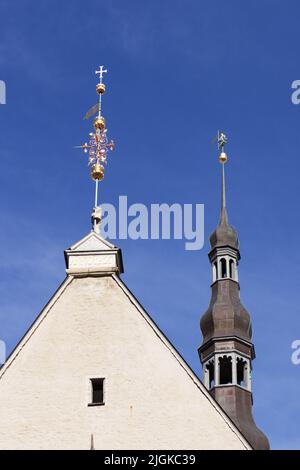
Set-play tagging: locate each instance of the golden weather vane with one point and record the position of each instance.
(221, 140)
(98, 146)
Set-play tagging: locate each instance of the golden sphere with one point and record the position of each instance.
(222, 157)
(100, 88)
(99, 123)
(97, 172)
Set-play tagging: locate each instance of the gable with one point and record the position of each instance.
(94, 327)
(93, 254)
(92, 241)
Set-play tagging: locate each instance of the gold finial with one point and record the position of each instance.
(223, 157)
(99, 123)
(100, 88)
(98, 146)
(97, 172)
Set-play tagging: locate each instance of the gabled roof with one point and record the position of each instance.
(92, 241)
(192, 375)
(181, 362)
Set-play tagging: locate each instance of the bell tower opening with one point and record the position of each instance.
(223, 268)
(225, 365)
(210, 367)
(215, 271)
(242, 372)
(231, 269)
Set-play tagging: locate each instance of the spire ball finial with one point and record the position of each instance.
(223, 157)
(100, 88)
(97, 172)
(99, 123)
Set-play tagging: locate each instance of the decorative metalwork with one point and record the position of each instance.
(221, 140)
(98, 145)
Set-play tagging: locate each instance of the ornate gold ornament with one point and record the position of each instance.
(98, 146)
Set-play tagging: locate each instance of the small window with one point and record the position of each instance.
(97, 392)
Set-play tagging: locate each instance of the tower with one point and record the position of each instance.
(227, 351)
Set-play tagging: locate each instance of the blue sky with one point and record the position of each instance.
(178, 71)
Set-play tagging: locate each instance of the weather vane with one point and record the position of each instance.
(98, 145)
(221, 140)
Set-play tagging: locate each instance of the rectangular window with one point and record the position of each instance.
(97, 392)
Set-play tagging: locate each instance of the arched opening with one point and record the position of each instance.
(241, 372)
(223, 267)
(211, 373)
(225, 363)
(231, 269)
(215, 271)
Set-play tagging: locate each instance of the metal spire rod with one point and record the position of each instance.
(96, 192)
(98, 145)
(222, 140)
(100, 104)
(223, 197)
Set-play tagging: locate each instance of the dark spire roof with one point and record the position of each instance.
(226, 329)
(224, 234)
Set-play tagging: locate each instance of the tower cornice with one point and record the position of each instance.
(222, 344)
(224, 250)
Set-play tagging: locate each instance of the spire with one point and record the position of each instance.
(224, 234)
(227, 350)
(94, 255)
(98, 147)
(223, 216)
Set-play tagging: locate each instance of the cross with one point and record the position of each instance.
(101, 71)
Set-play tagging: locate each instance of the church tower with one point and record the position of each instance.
(227, 351)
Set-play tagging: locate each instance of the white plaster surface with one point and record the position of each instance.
(92, 261)
(92, 328)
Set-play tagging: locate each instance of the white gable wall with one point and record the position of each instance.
(93, 328)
